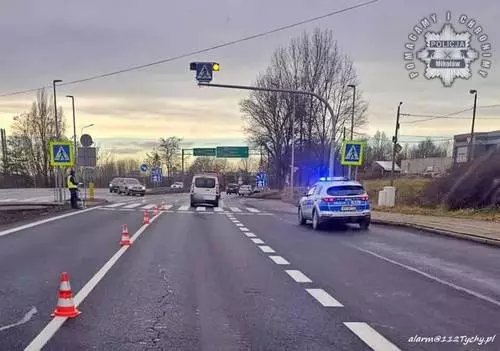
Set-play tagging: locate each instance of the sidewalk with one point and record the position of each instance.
(481, 231)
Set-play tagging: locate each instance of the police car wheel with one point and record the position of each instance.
(301, 218)
(315, 221)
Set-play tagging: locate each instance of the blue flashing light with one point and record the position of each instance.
(341, 179)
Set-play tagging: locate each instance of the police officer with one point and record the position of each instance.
(73, 189)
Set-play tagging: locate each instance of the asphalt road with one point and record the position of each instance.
(198, 279)
(44, 195)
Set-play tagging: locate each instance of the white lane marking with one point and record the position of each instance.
(218, 209)
(251, 209)
(235, 209)
(238, 224)
(279, 260)
(7, 200)
(50, 329)
(243, 229)
(371, 337)
(115, 205)
(439, 280)
(258, 241)
(43, 221)
(147, 207)
(133, 205)
(183, 208)
(266, 249)
(166, 207)
(201, 208)
(35, 199)
(250, 234)
(324, 298)
(298, 276)
(23, 320)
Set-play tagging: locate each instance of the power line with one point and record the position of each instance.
(450, 115)
(200, 51)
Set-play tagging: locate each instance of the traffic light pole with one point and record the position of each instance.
(333, 145)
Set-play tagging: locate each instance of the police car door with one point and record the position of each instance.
(308, 203)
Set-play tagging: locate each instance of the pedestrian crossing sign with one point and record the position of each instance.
(61, 154)
(352, 153)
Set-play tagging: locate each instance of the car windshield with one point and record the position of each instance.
(132, 181)
(345, 190)
(204, 182)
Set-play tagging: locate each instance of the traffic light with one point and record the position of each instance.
(215, 67)
(192, 66)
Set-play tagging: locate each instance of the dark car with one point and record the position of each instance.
(131, 186)
(114, 185)
(232, 189)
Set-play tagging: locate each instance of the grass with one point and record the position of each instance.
(486, 214)
(408, 191)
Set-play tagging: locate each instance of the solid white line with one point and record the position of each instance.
(250, 234)
(251, 209)
(439, 280)
(201, 208)
(43, 221)
(133, 205)
(279, 260)
(184, 208)
(115, 205)
(266, 249)
(218, 209)
(298, 276)
(235, 209)
(371, 337)
(257, 241)
(243, 229)
(48, 332)
(147, 207)
(7, 200)
(324, 298)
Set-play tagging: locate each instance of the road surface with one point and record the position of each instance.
(34, 195)
(245, 277)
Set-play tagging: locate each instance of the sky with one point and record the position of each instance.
(70, 40)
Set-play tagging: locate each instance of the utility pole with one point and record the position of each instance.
(59, 182)
(182, 164)
(292, 167)
(352, 120)
(471, 143)
(394, 143)
(74, 132)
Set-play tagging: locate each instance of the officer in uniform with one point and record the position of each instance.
(73, 188)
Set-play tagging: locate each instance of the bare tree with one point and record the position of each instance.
(311, 62)
(170, 151)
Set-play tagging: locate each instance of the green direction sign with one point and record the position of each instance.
(204, 151)
(232, 151)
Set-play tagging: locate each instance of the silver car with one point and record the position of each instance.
(131, 186)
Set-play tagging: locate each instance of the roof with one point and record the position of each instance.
(338, 182)
(387, 166)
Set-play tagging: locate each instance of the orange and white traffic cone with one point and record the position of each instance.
(125, 240)
(65, 305)
(146, 217)
(155, 210)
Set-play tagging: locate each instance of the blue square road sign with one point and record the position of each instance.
(352, 153)
(61, 154)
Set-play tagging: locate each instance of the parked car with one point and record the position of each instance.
(114, 185)
(335, 200)
(245, 189)
(131, 186)
(205, 189)
(232, 188)
(177, 185)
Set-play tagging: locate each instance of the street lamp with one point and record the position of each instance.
(471, 146)
(84, 127)
(58, 172)
(352, 118)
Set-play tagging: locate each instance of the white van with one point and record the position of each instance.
(205, 189)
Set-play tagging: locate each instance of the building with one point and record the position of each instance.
(384, 168)
(483, 142)
(421, 165)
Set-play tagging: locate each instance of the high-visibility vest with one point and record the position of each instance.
(70, 183)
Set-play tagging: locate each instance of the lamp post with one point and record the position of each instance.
(85, 127)
(352, 119)
(57, 173)
(471, 146)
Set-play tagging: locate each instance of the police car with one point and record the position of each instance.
(335, 199)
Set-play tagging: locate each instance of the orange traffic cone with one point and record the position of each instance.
(156, 210)
(146, 217)
(125, 241)
(65, 305)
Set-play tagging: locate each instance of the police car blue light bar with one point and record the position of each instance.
(342, 179)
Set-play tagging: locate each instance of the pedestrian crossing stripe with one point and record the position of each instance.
(140, 206)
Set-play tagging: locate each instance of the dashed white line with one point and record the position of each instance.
(279, 260)
(371, 337)
(257, 241)
(244, 229)
(201, 208)
(298, 276)
(238, 224)
(48, 332)
(250, 234)
(266, 249)
(324, 298)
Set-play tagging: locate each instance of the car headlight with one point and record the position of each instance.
(110, 185)
(143, 187)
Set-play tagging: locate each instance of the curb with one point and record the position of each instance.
(469, 237)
